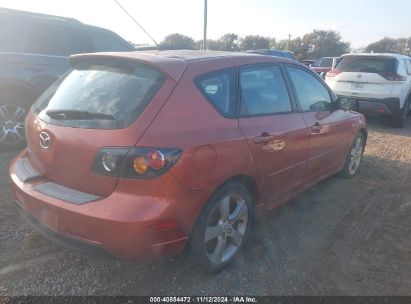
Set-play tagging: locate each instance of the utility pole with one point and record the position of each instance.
(289, 41)
(205, 26)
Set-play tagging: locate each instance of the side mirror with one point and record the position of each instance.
(346, 103)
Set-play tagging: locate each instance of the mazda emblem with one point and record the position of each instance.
(45, 140)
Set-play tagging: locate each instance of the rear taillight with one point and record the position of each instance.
(141, 162)
(333, 73)
(392, 76)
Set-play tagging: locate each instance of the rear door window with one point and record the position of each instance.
(311, 93)
(220, 89)
(367, 64)
(115, 96)
(263, 91)
(55, 39)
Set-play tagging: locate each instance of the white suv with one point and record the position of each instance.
(377, 83)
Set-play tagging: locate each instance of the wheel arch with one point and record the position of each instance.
(26, 92)
(248, 182)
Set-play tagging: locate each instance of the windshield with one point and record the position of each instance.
(106, 92)
(367, 64)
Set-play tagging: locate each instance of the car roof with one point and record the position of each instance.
(391, 55)
(51, 18)
(174, 62)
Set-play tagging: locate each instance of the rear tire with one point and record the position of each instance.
(354, 157)
(222, 229)
(13, 112)
(400, 120)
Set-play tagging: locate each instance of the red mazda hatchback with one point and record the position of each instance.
(140, 155)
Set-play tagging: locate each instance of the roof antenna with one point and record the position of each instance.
(135, 21)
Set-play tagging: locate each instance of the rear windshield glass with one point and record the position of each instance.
(113, 98)
(367, 64)
(323, 62)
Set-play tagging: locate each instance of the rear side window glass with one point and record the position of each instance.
(117, 97)
(104, 42)
(220, 89)
(311, 93)
(367, 64)
(53, 39)
(263, 91)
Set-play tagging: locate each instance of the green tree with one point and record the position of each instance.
(385, 45)
(299, 48)
(323, 43)
(178, 42)
(389, 45)
(254, 42)
(273, 43)
(229, 42)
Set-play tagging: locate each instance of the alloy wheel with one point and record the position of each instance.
(226, 228)
(356, 155)
(12, 119)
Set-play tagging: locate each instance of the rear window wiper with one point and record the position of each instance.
(78, 115)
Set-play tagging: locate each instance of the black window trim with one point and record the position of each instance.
(332, 95)
(233, 71)
(262, 65)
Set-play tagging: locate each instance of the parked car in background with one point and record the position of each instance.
(122, 159)
(307, 62)
(323, 65)
(34, 50)
(379, 84)
(270, 52)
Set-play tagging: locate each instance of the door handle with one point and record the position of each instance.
(263, 138)
(316, 128)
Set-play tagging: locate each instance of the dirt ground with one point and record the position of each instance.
(343, 237)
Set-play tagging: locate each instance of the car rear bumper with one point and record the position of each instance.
(122, 225)
(375, 106)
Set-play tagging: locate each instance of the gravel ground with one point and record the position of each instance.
(342, 237)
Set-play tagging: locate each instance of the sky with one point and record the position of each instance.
(359, 21)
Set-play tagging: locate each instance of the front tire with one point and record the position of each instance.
(400, 120)
(222, 229)
(353, 160)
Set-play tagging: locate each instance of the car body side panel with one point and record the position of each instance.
(214, 149)
(282, 160)
(329, 145)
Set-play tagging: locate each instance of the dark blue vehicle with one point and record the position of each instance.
(34, 50)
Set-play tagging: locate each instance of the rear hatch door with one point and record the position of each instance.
(101, 103)
(365, 75)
